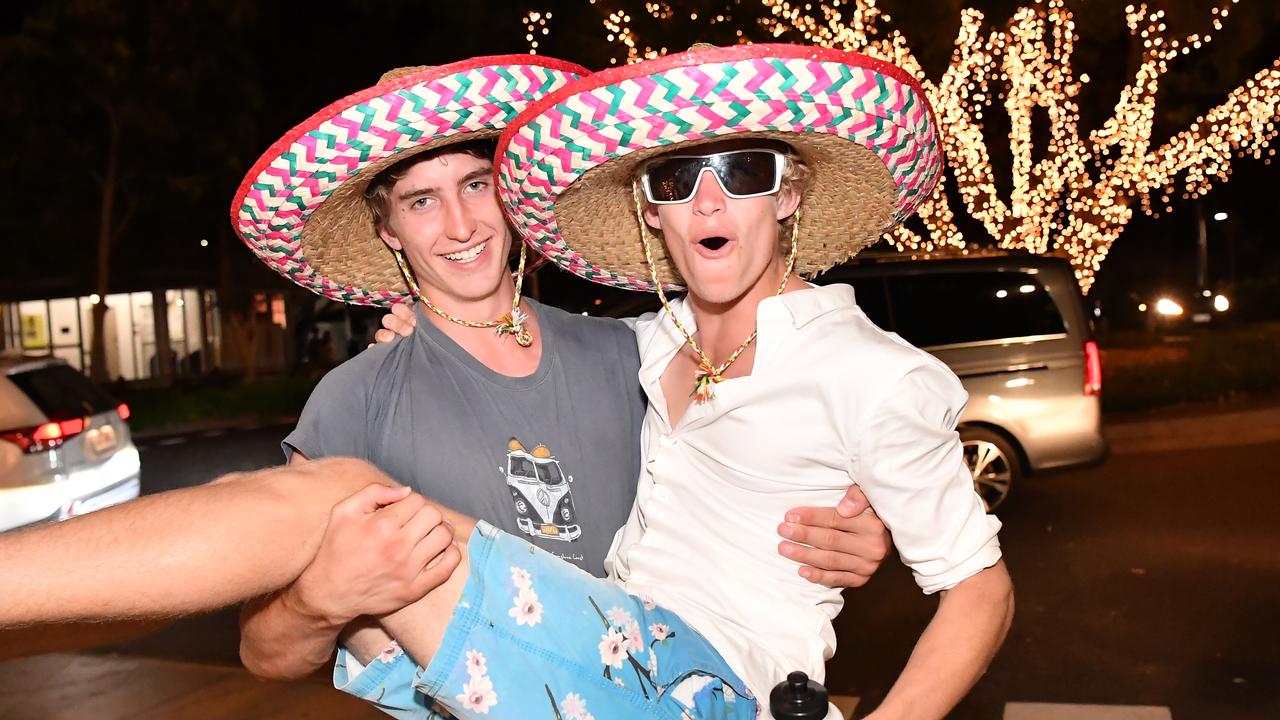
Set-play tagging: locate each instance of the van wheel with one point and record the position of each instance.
(993, 462)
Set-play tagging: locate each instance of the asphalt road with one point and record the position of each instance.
(1153, 579)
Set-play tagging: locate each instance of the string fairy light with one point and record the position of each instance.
(1070, 193)
(535, 27)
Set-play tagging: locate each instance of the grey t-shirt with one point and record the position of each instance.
(552, 457)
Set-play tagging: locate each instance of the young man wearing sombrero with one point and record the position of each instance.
(394, 153)
(754, 165)
(499, 407)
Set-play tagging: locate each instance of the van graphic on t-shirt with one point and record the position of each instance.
(544, 502)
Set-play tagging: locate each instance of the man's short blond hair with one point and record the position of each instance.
(796, 176)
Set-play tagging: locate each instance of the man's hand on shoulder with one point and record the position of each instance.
(839, 546)
(400, 322)
(384, 548)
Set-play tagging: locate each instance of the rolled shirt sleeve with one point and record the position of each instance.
(911, 466)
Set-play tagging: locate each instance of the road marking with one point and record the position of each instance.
(1063, 711)
(172, 441)
(212, 433)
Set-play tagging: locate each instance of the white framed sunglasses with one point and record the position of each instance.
(742, 174)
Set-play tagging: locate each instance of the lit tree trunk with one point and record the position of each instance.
(98, 348)
(160, 321)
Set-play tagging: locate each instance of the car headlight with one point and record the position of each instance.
(1165, 306)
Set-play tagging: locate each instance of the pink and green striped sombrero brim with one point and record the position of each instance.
(862, 126)
(301, 208)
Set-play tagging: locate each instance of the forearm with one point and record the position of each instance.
(294, 632)
(177, 552)
(280, 640)
(970, 624)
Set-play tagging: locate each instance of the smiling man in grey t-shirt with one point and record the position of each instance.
(551, 456)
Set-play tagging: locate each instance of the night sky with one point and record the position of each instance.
(196, 91)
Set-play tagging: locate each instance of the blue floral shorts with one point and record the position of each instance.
(535, 637)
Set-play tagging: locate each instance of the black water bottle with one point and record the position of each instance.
(799, 698)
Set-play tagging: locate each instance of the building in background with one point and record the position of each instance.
(139, 325)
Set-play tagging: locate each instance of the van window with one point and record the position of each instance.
(964, 307)
(62, 393)
(519, 467)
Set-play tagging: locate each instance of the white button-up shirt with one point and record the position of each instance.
(831, 400)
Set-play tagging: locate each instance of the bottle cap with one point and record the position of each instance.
(799, 698)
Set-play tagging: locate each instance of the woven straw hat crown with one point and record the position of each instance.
(861, 125)
(301, 208)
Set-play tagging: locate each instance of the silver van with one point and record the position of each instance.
(65, 447)
(1015, 331)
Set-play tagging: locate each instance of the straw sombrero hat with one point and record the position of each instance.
(301, 206)
(862, 125)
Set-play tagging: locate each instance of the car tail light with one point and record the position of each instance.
(1092, 369)
(123, 411)
(43, 437)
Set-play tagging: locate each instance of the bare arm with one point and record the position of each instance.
(176, 552)
(293, 632)
(968, 627)
(911, 463)
(281, 636)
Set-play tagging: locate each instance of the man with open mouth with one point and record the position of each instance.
(730, 173)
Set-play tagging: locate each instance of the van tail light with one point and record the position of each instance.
(1092, 369)
(123, 411)
(43, 437)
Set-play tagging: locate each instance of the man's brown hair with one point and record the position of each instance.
(378, 195)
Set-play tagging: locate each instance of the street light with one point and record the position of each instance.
(1219, 216)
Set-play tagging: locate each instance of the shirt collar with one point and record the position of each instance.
(807, 305)
(796, 309)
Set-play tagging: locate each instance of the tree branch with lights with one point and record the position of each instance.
(1070, 194)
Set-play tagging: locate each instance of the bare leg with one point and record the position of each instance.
(178, 552)
(420, 627)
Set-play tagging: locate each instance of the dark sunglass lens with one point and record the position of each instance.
(673, 180)
(749, 172)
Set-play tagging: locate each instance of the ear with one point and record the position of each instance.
(651, 217)
(788, 202)
(389, 237)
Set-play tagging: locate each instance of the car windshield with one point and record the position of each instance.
(62, 393)
(549, 473)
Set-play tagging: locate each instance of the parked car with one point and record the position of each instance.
(65, 447)
(1013, 328)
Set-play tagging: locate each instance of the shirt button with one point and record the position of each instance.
(662, 492)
